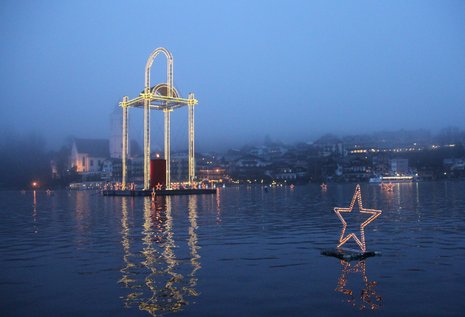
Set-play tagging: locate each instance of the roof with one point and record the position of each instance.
(162, 90)
(93, 147)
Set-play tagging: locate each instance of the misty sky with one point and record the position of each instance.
(290, 69)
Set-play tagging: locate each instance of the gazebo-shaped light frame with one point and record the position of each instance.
(162, 97)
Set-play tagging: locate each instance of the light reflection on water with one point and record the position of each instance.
(361, 294)
(242, 252)
(153, 275)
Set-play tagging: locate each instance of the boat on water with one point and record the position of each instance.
(392, 179)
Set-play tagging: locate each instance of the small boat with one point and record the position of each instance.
(392, 179)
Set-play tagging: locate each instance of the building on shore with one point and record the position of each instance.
(88, 155)
(399, 166)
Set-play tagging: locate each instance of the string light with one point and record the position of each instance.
(159, 186)
(162, 97)
(374, 214)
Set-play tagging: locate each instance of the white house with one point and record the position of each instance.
(89, 155)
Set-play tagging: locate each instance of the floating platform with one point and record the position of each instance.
(349, 255)
(161, 192)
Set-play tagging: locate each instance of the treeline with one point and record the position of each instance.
(24, 159)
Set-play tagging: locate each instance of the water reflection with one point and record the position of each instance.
(159, 281)
(82, 204)
(34, 212)
(218, 206)
(360, 293)
(126, 280)
(193, 245)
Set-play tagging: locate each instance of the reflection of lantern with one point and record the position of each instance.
(156, 279)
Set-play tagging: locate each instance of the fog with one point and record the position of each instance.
(291, 70)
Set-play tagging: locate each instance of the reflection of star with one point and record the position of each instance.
(374, 214)
(159, 186)
(368, 295)
(324, 187)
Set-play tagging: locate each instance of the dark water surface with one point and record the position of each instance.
(242, 252)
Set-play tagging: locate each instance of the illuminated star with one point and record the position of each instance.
(159, 186)
(389, 187)
(374, 214)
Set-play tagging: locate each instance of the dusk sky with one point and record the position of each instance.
(292, 70)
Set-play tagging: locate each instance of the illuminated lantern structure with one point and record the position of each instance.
(163, 97)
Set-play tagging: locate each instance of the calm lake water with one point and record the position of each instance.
(241, 252)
